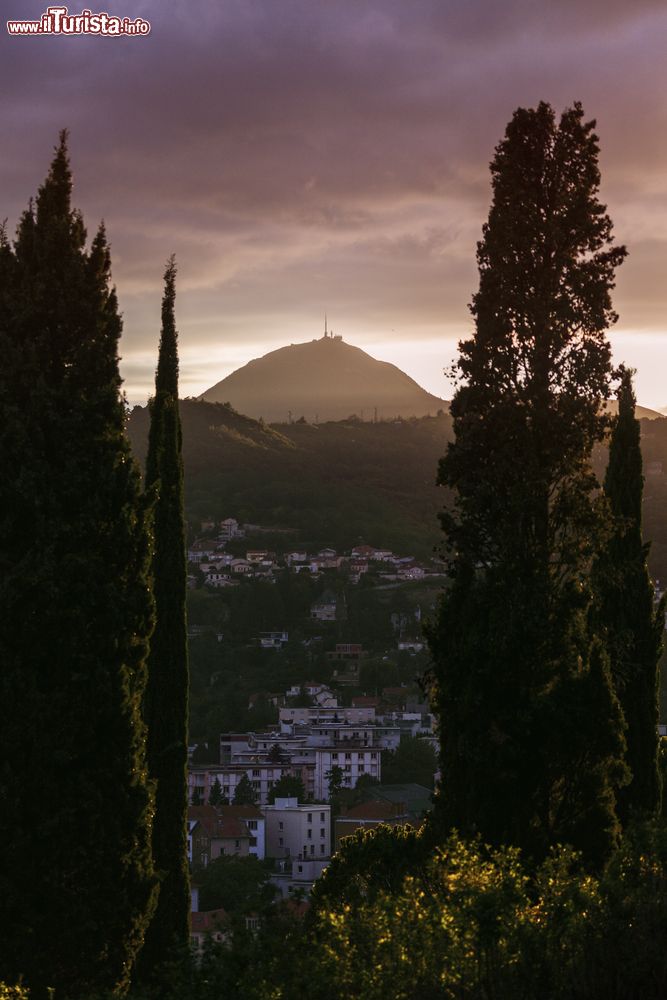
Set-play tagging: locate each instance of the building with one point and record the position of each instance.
(298, 831)
(230, 528)
(353, 762)
(209, 924)
(218, 836)
(294, 877)
(325, 609)
(368, 815)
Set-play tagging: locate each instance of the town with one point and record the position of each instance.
(287, 794)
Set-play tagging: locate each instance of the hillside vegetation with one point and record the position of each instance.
(340, 482)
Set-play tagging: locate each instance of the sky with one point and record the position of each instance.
(303, 157)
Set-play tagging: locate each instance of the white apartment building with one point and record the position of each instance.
(298, 831)
(297, 875)
(353, 762)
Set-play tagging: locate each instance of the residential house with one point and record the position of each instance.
(326, 608)
(368, 815)
(207, 925)
(298, 831)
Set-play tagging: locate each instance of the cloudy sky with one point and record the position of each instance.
(302, 156)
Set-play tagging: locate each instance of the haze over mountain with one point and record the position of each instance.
(325, 379)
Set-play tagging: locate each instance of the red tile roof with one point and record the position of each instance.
(207, 920)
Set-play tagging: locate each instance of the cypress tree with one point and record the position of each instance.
(77, 886)
(166, 702)
(627, 610)
(530, 729)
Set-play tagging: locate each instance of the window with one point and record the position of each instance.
(310, 835)
(322, 832)
(334, 756)
(348, 756)
(280, 842)
(312, 849)
(321, 848)
(300, 868)
(280, 825)
(321, 817)
(310, 817)
(256, 772)
(374, 756)
(252, 824)
(253, 841)
(237, 843)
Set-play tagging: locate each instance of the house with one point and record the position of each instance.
(291, 717)
(255, 823)
(256, 555)
(215, 837)
(294, 878)
(368, 815)
(364, 552)
(207, 924)
(296, 559)
(416, 798)
(273, 640)
(326, 608)
(217, 579)
(346, 652)
(229, 528)
(382, 555)
(203, 549)
(298, 831)
(411, 645)
(365, 701)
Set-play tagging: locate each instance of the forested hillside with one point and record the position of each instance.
(340, 482)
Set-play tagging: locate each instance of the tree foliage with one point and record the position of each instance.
(628, 614)
(288, 786)
(414, 760)
(520, 682)
(166, 698)
(238, 885)
(244, 793)
(77, 894)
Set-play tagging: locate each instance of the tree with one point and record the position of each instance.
(244, 793)
(166, 698)
(530, 729)
(288, 786)
(627, 611)
(216, 798)
(238, 885)
(413, 760)
(197, 798)
(335, 779)
(79, 890)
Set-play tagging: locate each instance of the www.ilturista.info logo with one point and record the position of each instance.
(57, 21)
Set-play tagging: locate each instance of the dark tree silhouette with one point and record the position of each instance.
(166, 701)
(78, 887)
(628, 612)
(530, 729)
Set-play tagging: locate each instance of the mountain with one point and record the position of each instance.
(325, 379)
(643, 412)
